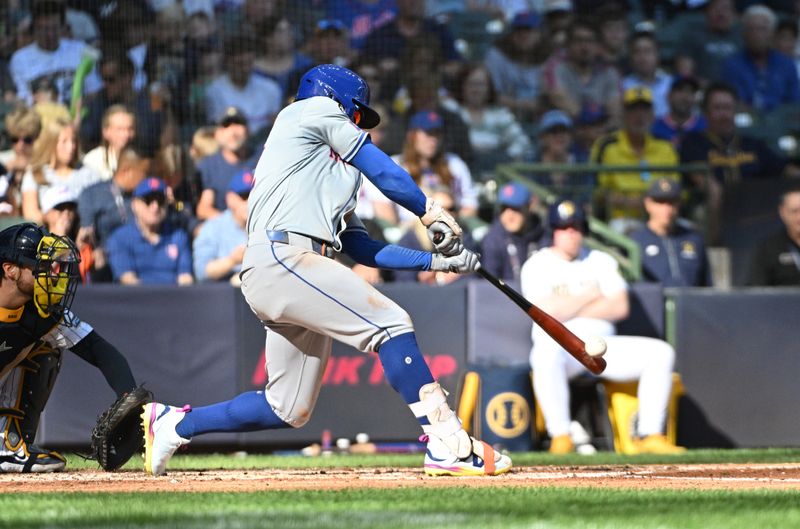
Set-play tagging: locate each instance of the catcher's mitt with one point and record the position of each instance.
(118, 433)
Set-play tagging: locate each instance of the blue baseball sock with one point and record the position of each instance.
(404, 367)
(247, 412)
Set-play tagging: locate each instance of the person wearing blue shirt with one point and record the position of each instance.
(683, 116)
(672, 254)
(148, 250)
(221, 242)
(764, 78)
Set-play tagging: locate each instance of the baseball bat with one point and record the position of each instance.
(565, 338)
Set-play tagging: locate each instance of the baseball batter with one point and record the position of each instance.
(584, 290)
(300, 210)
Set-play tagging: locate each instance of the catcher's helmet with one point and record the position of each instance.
(565, 214)
(343, 86)
(53, 261)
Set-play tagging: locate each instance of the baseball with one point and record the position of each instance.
(595, 346)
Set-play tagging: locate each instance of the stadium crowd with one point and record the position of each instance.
(134, 126)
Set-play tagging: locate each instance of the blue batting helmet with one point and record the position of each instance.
(567, 214)
(343, 86)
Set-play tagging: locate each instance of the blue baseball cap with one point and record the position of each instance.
(591, 114)
(565, 213)
(552, 119)
(514, 195)
(242, 182)
(526, 20)
(148, 186)
(427, 120)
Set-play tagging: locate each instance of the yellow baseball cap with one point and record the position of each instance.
(637, 95)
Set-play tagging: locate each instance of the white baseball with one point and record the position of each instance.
(595, 346)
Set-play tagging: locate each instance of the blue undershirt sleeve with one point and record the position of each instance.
(390, 178)
(358, 245)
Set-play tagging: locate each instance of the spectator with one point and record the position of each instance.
(55, 161)
(431, 167)
(45, 102)
(646, 71)
(279, 59)
(584, 290)
(116, 70)
(60, 211)
(731, 157)
(416, 238)
(257, 98)
(672, 253)
(128, 26)
(513, 236)
(105, 206)
(707, 48)
(23, 126)
(119, 131)
(786, 42)
(556, 147)
(49, 55)
(621, 192)
(494, 133)
(776, 260)
(614, 32)
(558, 17)
(578, 77)
(515, 63)
(217, 169)
(220, 244)
(590, 125)
(683, 116)
(330, 44)
(762, 77)
(146, 249)
(361, 17)
(386, 43)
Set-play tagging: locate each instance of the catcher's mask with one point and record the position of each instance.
(52, 259)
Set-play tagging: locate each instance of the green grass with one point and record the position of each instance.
(409, 508)
(248, 461)
(456, 507)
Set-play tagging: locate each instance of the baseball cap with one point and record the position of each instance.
(554, 118)
(242, 182)
(551, 6)
(526, 19)
(665, 189)
(426, 121)
(637, 95)
(514, 195)
(150, 186)
(565, 214)
(230, 116)
(331, 24)
(681, 81)
(590, 114)
(59, 195)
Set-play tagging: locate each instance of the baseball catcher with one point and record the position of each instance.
(37, 285)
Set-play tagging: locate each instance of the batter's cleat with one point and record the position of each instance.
(160, 438)
(657, 444)
(562, 444)
(30, 459)
(483, 461)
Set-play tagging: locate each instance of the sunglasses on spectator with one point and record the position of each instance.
(158, 198)
(28, 140)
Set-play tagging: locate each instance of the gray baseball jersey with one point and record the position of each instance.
(303, 181)
(305, 185)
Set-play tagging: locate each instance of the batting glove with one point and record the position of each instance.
(463, 263)
(443, 230)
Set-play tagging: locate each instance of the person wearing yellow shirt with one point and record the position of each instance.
(620, 193)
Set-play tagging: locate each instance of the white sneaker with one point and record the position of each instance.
(483, 461)
(160, 438)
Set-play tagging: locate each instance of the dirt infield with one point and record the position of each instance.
(725, 476)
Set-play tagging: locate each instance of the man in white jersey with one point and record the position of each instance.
(300, 210)
(584, 290)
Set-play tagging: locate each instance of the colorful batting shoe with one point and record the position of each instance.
(562, 444)
(160, 438)
(483, 461)
(20, 458)
(657, 444)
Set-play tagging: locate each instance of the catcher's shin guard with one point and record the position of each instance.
(40, 370)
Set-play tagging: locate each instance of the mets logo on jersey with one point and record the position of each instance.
(172, 251)
(508, 414)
